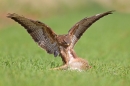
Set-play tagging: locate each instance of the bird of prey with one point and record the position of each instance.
(59, 45)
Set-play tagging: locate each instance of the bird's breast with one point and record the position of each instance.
(70, 56)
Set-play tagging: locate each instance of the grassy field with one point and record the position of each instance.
(106, 45)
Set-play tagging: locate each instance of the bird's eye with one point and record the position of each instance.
(38, 22)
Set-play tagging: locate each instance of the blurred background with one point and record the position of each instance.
(106, 45)
(50, 8)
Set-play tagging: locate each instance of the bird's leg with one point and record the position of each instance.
(63, 55)
(74, 54)
(65, 59)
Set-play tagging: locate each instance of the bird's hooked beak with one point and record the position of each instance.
(67, 44)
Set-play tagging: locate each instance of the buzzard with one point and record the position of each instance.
(59, 45)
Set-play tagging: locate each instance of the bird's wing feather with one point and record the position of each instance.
(41, 33)
(80, 27)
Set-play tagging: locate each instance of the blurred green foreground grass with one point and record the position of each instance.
(106, 45)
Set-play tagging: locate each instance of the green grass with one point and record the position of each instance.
(106, 45)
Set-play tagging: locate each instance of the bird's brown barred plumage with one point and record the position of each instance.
(59, 44)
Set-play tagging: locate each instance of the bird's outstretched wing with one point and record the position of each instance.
(41, 33)
(80, 27)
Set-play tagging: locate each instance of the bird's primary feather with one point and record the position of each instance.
(41, 33)
(80, 27)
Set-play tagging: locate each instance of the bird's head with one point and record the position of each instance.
(64, 40)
